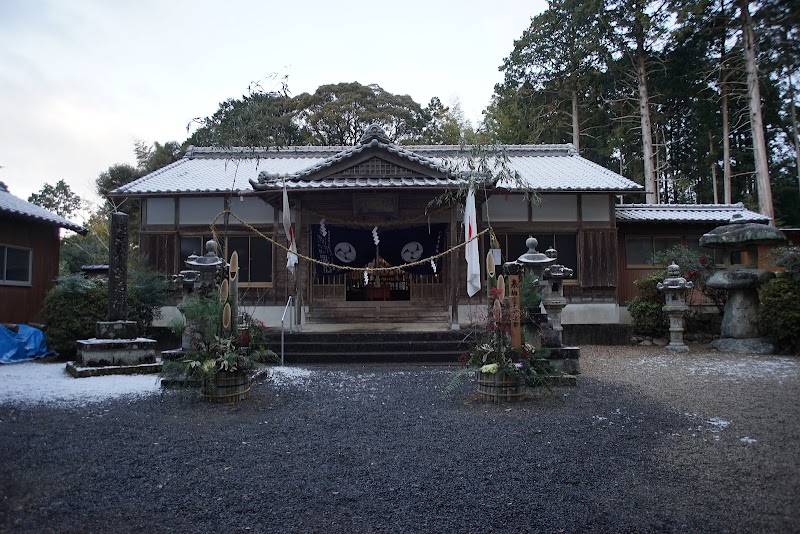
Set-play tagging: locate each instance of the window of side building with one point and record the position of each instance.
(16, 265)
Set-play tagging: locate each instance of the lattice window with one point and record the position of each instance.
(378, 167)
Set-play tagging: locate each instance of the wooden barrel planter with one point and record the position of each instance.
(231, 387)
(499, 387)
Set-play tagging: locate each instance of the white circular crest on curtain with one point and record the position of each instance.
(344, 252)
(412, 251)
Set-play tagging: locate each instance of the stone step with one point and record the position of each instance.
(367, 337)
(356, 314)
(309, 347)
(439, 356)
(394, 346)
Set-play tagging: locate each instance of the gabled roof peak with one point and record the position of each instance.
(374, 131)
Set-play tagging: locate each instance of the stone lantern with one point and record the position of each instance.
(553, 299)
(201, 276)
(209, 266)
(565, 359)
(740, 317)
(675, 288)
(533, 260)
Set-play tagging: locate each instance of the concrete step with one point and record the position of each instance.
(358, 314)
(309, 347)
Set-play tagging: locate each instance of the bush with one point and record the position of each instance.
(789, 259)
(147, 292)
(645, 309)
(779, 314)
(696, 268)
(73, 307)
(71, 310)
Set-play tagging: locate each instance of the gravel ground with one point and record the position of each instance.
(647, 442)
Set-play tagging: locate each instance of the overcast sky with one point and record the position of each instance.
(82, 80)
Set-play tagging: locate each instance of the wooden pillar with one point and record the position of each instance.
(454, 259)
(514, 311)
(302, 271)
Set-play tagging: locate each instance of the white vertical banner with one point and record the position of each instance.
(291, 257)
(471, 248)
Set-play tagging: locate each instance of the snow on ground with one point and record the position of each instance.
(755, 367)
(48, 383)
(738, 367)
(285, 375)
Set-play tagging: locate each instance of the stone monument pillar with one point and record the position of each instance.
(118, 267)
(116, 325)
(675, 287)
(116, 347)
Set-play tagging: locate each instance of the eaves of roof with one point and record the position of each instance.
(686, 213)
(17, 208)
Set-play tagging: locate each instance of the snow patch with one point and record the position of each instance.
(718, 423)
(285, 375)
(750, 368)
(35, 383)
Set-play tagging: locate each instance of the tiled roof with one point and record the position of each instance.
(14, 206)
(545, 168)
(212, 170)
(715, 213)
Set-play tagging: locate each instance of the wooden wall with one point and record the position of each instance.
(626, 290)
(23, 304)
(598, 258)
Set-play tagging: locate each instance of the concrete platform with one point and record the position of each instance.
(120, 352)
(79, 371)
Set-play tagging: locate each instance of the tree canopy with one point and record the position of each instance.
(598, 70)
(59, 199)
(338, 114)
(335, 114)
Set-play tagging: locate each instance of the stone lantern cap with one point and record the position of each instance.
(209, 261)
(557, 272)
(674, 280)
(742, 235)
(534, 258)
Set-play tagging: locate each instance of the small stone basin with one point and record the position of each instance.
(739, 278)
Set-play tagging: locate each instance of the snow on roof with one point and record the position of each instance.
(14, 206)
(713, 213)
(545, 168)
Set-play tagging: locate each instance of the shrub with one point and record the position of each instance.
(779, 314)
(645, 309)
(696, 268)
(73, 307)
(147, 292)
(71, 310)
(789, 259)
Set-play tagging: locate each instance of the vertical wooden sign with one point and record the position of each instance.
(514, 311)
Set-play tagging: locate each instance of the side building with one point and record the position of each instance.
(29, 254)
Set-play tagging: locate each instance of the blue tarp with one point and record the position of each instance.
(27, 344)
